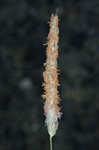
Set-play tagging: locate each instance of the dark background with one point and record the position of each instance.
(23, 31)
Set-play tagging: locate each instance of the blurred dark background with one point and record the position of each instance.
(23, 31)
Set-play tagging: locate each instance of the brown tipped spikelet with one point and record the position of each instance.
(51, 108)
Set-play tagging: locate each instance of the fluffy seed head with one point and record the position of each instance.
(50, 75)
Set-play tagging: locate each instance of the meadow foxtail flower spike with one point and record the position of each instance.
(51, 96)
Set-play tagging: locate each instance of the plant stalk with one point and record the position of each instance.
(51, 148)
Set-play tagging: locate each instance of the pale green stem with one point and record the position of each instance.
(51, 143)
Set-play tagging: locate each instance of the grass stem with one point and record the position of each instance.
(51, 143)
